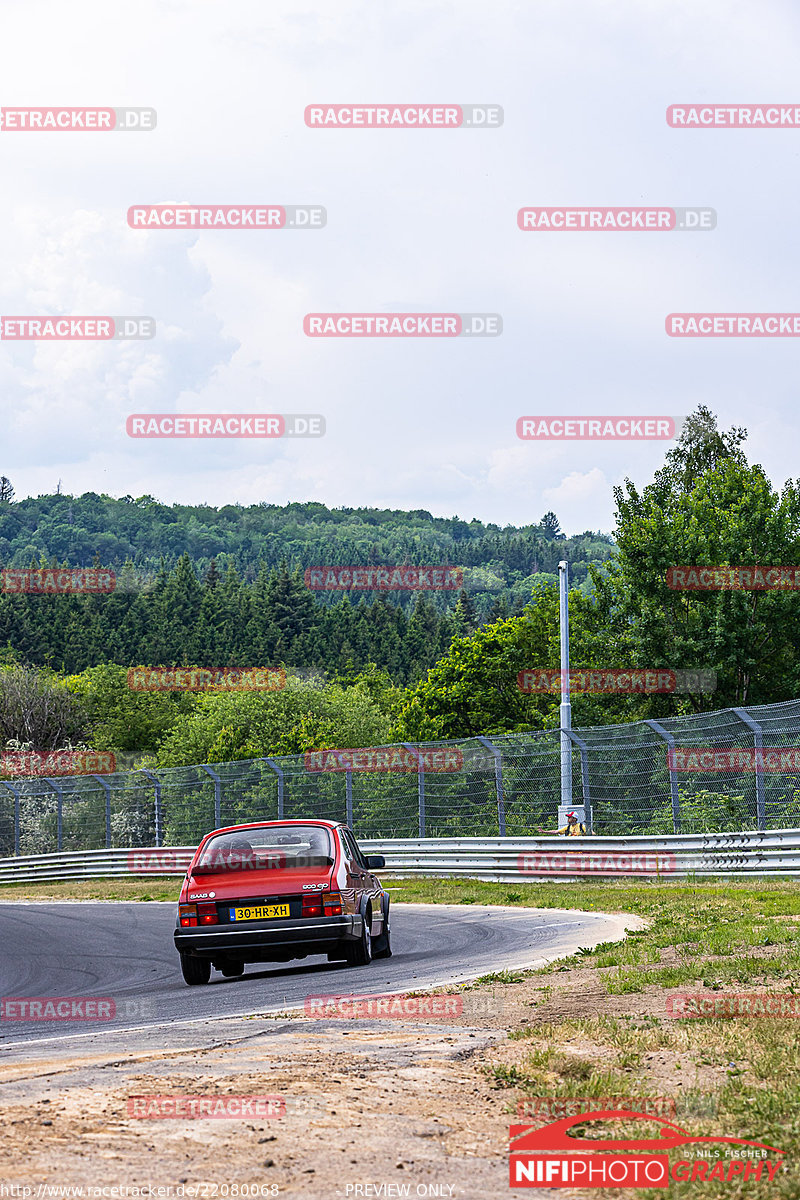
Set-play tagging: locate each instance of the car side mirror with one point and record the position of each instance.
(376, 861)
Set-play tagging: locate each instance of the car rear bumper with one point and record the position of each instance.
(216, 940)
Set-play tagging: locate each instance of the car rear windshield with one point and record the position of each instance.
(271, 848)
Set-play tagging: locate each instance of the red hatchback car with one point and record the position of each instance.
(278, 890)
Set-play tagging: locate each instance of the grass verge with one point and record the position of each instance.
(596, 1025)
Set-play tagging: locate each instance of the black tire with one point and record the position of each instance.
(383, 945)
(232, 970)
(195, 970)
(359, 954)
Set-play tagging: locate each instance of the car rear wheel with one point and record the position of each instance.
(195, 970)
(232, 969)
(383, 945)
(359, 953)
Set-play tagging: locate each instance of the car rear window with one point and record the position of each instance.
(271, 848)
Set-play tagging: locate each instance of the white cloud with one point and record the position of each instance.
(422, 219)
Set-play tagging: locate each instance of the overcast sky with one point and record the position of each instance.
(418, 220)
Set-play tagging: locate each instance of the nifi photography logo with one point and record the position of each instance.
(551, 1157)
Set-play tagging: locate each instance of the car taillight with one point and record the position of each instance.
(207, 914)
(312, 905)
(187, 914)
(333, 904)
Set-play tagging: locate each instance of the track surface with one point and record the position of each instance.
(125, 951)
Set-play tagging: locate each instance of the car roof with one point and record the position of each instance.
(266, 824)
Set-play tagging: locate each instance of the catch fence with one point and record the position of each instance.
(734, 769)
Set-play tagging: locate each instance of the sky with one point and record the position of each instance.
(418, 220)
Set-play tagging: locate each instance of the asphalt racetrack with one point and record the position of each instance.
(124, 952)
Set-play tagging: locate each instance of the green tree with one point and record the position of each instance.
(305, 715)
(706, 506)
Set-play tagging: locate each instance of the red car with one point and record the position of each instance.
(278, 890)
(555, 1136)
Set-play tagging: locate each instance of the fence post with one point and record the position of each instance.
(279, 772)
(587, 798)
(15, 792)
(157, 816)
(673, 774)
(498, 783)
(348, 789)
(217, 794)
(59, 791)
(758, 742)
(106, 786)
(420, 785)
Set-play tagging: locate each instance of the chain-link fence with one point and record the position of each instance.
(735, 769)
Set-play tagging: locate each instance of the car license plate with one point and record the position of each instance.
(259, 912)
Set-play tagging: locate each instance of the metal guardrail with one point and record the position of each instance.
(750, 853)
